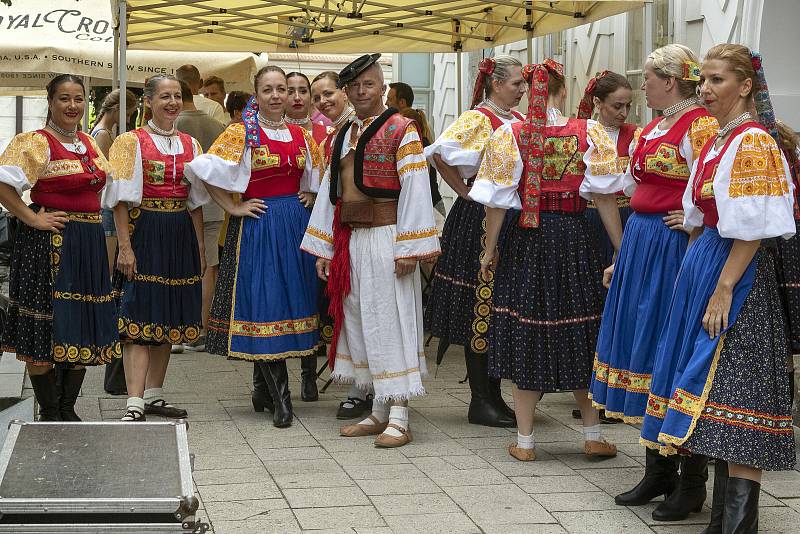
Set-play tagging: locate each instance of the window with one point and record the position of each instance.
(662, 35)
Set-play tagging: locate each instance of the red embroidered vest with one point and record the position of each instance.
(659, 168)
(624, 140)
(703, 184)
(375, 159)
(562, 174)
(162, 174)
(495, 120)
(319, 132)
(71, 181)
(277, 166)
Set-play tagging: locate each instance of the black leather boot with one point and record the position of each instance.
(660, 478)
(483, 410)
(718, 500)
(260, 397)
(741, 506)
(690, 494)
(278, 383)
(44, 387)
(497, 396)
(69, 383)
(308, 378)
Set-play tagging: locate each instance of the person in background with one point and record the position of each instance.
(58, 254)
(104, 131)
(214, 89)
(235, 104)
(205, 130)
(191, 76)
(401, 97)
(160, 262)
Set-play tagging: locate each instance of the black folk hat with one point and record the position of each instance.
(354, 69)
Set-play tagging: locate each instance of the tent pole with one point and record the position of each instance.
(648, 46)
(123, 78)
(530, 49)
(115, 61)
(459, 83)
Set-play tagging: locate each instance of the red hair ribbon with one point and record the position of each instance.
(586, 105)
(485, 71)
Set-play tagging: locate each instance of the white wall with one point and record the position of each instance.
(34, 111)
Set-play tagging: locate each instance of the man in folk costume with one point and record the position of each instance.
(371, 225)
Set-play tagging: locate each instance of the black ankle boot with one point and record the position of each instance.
(69, 387)
(718, 500)
(308, 374)
(44, 387)
(497, 397)
(278, 383)
(690, 494)
(660, 478)
(260, 397)
(741, 506)
(483, 410)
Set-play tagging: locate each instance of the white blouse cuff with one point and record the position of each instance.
(489, 195)
(227, 175)
(13, 176)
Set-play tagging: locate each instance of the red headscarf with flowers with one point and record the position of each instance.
(531, 137)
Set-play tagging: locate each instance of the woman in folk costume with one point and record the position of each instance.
(548, 292)
(451, 313)
(645, 270)
(265, 305)
(160, 257)
(611, 95)
(331, 101)
(61, 311)
(719, 385)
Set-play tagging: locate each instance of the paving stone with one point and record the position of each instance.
(350, 516)
(230, 476)
(453, 523)
(292, 453)
(468, 477)
(781, 484)
(383, 472)
(278, 521)
(581, 461)
(428, 503)
(498, 504)
(244, 509)
(279, 467)
(576, 502)
(536, 468)
(325, 497)
(614, 481)
(602, 522)
(409, 486)
(554, 484)
(238, 492)
(369, 456)
(204, 462)
(782, 520)
(523, 528)
(501, 454)
(313, 480)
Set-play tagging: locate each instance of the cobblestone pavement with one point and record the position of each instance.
(455, 477)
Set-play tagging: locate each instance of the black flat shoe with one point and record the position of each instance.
(354, 407)
(160, 407)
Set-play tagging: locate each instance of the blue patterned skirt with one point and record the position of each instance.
(162, 303)
(266, 301)
(61, 308)
(635, 310)
(726, 397)
(787, 264)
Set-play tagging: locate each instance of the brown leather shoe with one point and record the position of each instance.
(601, 449)
(357, 430)
(523, 455)
(389, 442)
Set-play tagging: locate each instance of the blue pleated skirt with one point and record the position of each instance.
(635, 310)
(266, 301)
(604, 244)
(686, 357)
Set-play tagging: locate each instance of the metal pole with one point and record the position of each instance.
(123, 71)
(19, 107)
(648, 44)
(459, 88)
(115, 61)
(530, 48)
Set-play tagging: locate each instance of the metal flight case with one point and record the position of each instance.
(109, 477)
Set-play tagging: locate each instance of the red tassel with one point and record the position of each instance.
(338, 279)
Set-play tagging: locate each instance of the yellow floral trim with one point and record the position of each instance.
(482, 310)
(412, 148)
(61, 167)
(28, 151)
(657, 406)
(632, 420)
(96, 299)
(386, 375)
(621, 378)
(414, 166)
(348, 358)
(701, 130)
(758, 168)
(157, 333)
(261, 158)
(471, 130)
(562, 156)
(230, 144)
(275, 328)
(603, 160)
(667, 162)
(622, 202)
(319, 234)
(166, 281)
(100, 161)
(159, 204)
(697, 403)
(87, 355)
(499, 159)
(417, 234)
(317, 152)
(85, 217)
(271, 357)
(122, 156)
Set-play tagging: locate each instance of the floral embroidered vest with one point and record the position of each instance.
(71, 182)
(659, 168)
(563, 170)
(277, 166)
(375, 159)
(495, 120)
(162, 174)
(703, 184)
(624, 140)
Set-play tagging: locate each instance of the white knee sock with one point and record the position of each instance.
(135, 404)
(525, 442)
(153, 394)
(592, 433)
(380, 411)
(398, 415)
